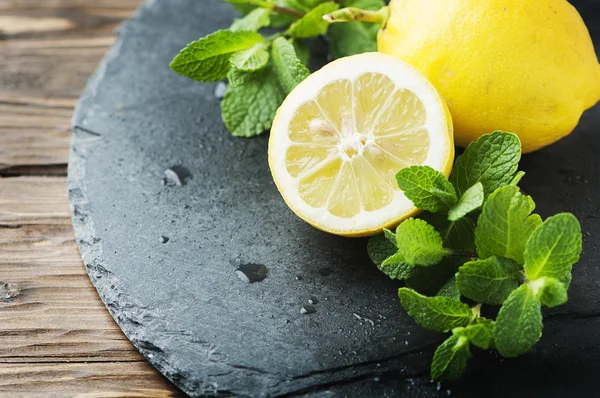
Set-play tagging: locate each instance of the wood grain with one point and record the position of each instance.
(58, 339)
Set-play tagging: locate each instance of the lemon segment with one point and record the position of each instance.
(341, 136)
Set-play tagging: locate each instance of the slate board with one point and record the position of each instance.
(181, 303)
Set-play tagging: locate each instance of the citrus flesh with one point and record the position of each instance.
(341, 136)
(528, 67)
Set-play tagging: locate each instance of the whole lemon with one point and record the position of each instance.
(517, 65)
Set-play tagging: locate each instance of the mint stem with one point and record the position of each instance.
(275, 8)
(350, 14)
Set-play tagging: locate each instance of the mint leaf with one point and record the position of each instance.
(488, 281)
(458, 235)
(396, 268)
(553, 248)
(252, 59)
(492, 160)
(549, 291)
(312, 24)
(427, 188)
(309, 4)
(354, 38)
(471, 200)
(419, 243)
(449, 290)
(251, 102)
(380, 249)
(207, 59)
(429, 280)
(289, 68)
(302, 51)
(436, 313)
(480, 334)
(241, 6)
(505, 224)
(450, 358)
(277, 20)
(253, 21)
(519, 323)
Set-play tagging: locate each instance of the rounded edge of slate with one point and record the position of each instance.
(90, 246)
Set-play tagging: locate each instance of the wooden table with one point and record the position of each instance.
(56, 337)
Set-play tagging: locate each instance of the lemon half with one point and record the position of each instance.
(341, 136)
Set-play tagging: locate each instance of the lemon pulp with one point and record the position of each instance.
(350, 141)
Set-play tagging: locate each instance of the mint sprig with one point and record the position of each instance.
(511, 258)
(262, 68)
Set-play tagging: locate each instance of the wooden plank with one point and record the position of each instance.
(48, 51)
(34, 200)
(83, 380)
(50, 311)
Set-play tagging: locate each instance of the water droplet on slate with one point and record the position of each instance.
(251, 273)
(313, 300)
(220, 90)
(298, 277)
(176, 176)
(307, 309)
(164, 239)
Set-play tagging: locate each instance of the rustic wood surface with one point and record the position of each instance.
(56, 337)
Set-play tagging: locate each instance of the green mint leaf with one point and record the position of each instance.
(302, 51)
(427, 188)
(517, 178)
(549, 291)
(290, 70)
(277, 20)
(252, 59)
(347, 39)
(241, 6)
(312, 24)
(471, 200)
(488, 281)
(519, 323)
(429, 280)
(450, 358)
(505, 224)
(389, 235)
(250, 104)
(380, 249)
(458, 235)
(419, 243)
(480, 334)
(309, 4)
(449, 290)
(253, 21)
(492, 160)
(207, 59)
(553, 248)
(396, 268)
(436, 313)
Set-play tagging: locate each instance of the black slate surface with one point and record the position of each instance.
(164, 257)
